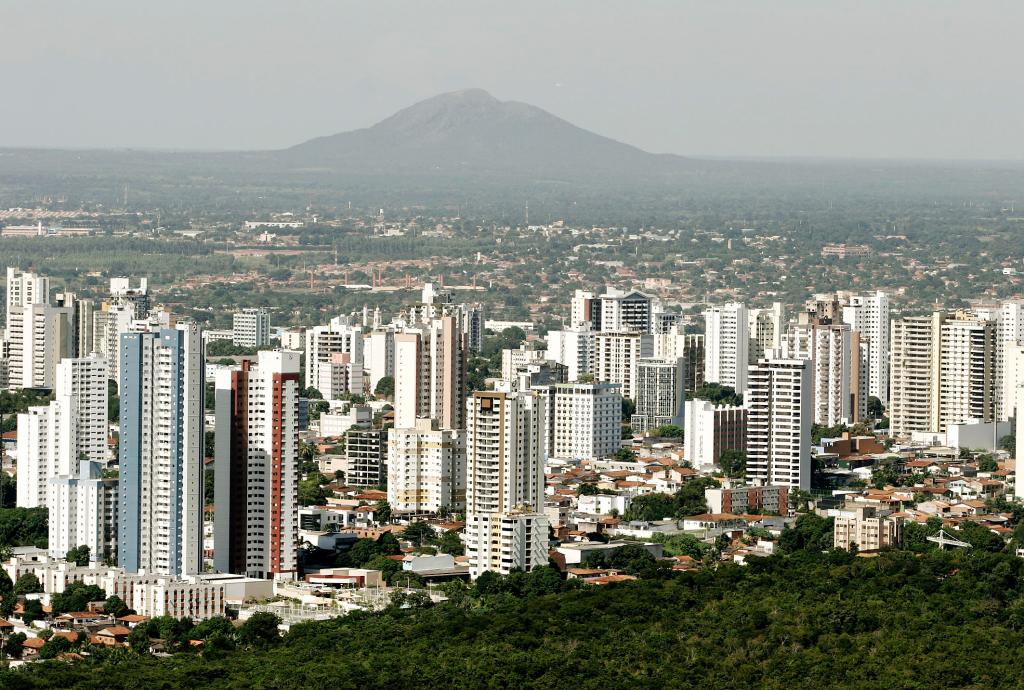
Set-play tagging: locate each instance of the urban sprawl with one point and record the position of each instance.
(296, 473)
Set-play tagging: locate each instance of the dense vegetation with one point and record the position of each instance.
(23, 527)
(810, 620)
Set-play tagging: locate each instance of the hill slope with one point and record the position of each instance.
(472, 133)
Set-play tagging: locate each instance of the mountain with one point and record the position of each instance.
(470, 133)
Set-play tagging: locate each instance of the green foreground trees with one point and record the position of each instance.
(813, 619)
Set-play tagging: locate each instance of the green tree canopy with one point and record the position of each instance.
(718, 394)
(78, 555)
(28, 583)
(385, 387)
(733, 462)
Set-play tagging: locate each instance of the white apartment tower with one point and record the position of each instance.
(670, 343)
(943, 371)
(426, 469)
(585, 420)
(340, 376)
(574, 348)
(52, 439)
(869, 316)
(512, 360)
(431, 374)
(726, 344)
(828, 348)
(83, 512)
(108, 326)
(39, 336)
(378, 355)
(256, 526)
(711, 430)
(1009, 334)
(582, 309)
(506, 528)
(337, 337)
(617, 358)
(966, 371)
(24, 289)
(910, 401)
(779, 405)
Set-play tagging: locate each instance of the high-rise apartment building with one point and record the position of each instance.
(160, 512)
(574, 348)
(38, 435)
(431, 374)
(767, 330)
(52, 439)
(584, 420)
(779, 411)
(670, 342)
(426, 469)
(109, 324)
(910, 402)
(378, 355)
(256, 465)
(337, 337)
(617, 358)
(693, 361)
(726, 345)
(584, 309)
(943, 371)
(135, 298)
(625, 311)
(25, 288)
(512, 360)
(39, 336)
(340, 376)
(966, 371)
(506, 528)
(828, 348)
(83, 512)
(472, 318)
(366, 452)
(1009, 334)
(711, 430)
(80, 315)
(251, 327)
(869, 316)
(661, 392)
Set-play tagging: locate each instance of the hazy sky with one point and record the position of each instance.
(867, 78)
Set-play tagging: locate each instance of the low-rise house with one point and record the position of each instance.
(604, 504)
(113, 635)
(132, 619)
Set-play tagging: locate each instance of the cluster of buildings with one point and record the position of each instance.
(511, 460)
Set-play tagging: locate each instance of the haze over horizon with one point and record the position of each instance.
(911, 79)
